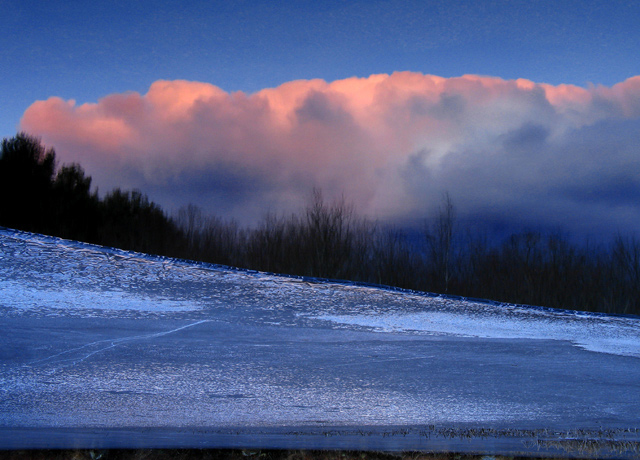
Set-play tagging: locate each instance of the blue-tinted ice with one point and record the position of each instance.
(102, 339)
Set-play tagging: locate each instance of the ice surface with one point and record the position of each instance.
(99, 337)
(614, 335)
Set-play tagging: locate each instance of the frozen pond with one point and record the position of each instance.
(102, 347)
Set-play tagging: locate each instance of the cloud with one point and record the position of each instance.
(509, 151)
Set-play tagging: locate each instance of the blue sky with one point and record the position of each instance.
(143, 95)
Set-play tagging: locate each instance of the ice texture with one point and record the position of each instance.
(605, 334)
(100, 337)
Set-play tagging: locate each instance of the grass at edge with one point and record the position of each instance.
(237, 454)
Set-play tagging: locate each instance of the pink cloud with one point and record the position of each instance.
(391, 143)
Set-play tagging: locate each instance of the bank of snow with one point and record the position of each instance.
(50, 276)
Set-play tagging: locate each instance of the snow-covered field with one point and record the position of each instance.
(107, 347)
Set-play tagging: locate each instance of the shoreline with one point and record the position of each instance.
(464, 440)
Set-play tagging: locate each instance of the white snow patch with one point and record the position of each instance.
(19, 296)
(612, 335)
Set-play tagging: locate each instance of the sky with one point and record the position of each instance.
(527, 113)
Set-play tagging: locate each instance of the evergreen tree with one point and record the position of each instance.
(26, 173)
(77, 214)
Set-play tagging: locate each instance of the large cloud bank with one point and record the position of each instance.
(511, 152)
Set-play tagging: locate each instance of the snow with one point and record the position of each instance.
(99, 338)
(79, 279)
(613, 335)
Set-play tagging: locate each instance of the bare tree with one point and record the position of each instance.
(440, 243)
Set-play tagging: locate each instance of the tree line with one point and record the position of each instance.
(325, 240)
(39, 197)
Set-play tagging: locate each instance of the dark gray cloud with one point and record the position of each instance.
(318, 107)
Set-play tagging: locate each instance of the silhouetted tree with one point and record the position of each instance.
(329, 236)
(277, 245)
(209, 238)
(131, 221)
(440, 244)
(77, 212)
(396, 261)
(26, 174)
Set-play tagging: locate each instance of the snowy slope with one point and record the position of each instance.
(42, 275)
(103, 338)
